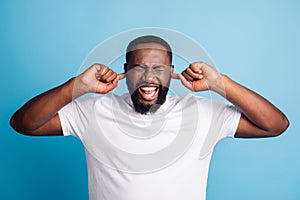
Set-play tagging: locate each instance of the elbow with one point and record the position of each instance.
(13, 123)
(16, 124)
(281, 127)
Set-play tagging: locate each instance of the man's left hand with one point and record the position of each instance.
(199, 76)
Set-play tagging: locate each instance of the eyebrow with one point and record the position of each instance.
(155, 65)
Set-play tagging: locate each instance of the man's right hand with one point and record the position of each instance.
(39, 116)
(98, 78)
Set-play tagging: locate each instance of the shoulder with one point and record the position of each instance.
(94, 98)
(205, 104)
(189, 99)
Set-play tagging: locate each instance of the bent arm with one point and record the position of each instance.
(39, 115)
(259, 117)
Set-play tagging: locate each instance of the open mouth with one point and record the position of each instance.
(148, 92)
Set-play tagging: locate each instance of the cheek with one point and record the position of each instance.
(164, 79)
(132, 77)
(131, 80)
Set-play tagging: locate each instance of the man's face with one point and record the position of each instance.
(148, 76)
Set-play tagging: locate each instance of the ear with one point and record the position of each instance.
(172, 69)
(125, 67)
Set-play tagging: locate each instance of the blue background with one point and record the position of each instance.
(256, 43)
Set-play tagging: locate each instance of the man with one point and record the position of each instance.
(148, 72)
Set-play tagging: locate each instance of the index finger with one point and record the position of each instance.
(121, 76)
(175, 76)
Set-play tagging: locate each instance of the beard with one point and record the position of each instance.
(142, 108)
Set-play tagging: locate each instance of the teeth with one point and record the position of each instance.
(150, 94)
(148, 88)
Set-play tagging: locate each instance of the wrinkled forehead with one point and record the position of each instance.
(146, 51)
(154, 46)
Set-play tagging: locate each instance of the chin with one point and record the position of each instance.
(148, 103)
(148, 99)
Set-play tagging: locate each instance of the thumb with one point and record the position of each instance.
(104, 88)
(185, 82)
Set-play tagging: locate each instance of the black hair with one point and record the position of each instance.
(147, 39)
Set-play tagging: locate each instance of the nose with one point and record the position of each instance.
(149, 76)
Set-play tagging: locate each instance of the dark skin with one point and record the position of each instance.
(148, 67)
(259, 117)
(39, 116)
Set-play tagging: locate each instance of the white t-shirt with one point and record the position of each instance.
(159, 156)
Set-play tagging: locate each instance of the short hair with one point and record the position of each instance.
(147, 39)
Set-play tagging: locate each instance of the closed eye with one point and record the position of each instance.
(159, 68)
(139, 68)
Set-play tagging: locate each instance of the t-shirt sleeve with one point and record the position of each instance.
(231, 120)
(74, 117)
(219, 120)
(66, 117)
(224, 118)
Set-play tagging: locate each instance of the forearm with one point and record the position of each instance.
(259, 119)
(43, 107)
(39, 116)
(257, 109)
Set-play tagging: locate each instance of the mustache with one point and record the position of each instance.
(147, 83)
